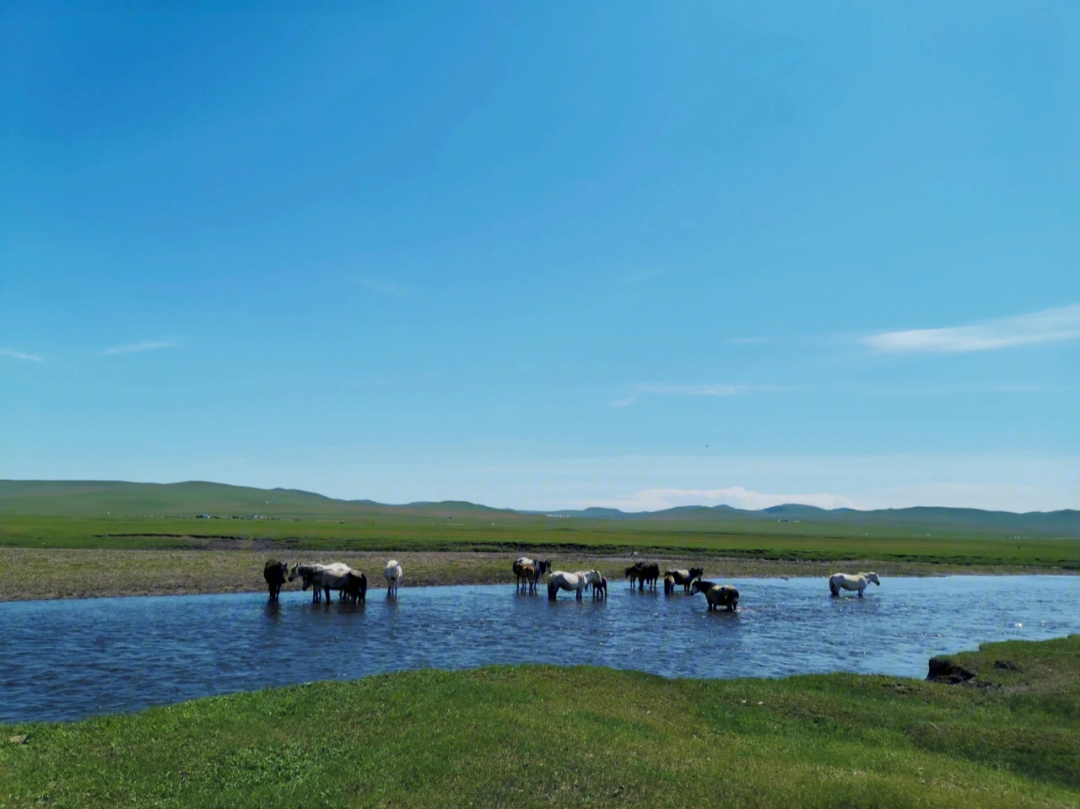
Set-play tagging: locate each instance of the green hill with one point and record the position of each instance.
(87, 498)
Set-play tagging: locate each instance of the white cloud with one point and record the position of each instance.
(19, 355)
(629, 400)
(736, 496)
(703, 390)
(1061, 323)
(145, 345)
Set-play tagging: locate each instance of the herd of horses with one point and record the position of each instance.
(352, 585)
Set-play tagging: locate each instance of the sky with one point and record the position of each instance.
(546, 255)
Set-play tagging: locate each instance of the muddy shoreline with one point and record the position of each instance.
(33, 573)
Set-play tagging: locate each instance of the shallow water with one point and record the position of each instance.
(63, 660)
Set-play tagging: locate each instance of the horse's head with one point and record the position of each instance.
(696, 572)
(293, 572)
(873, 577)
(697, 587)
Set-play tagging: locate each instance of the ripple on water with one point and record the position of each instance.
(124, 654)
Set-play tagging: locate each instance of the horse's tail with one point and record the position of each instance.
(553, 588)
(833, 588)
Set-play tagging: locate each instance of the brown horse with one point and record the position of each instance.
(354, 589)
(669, 585)
(648, 575)
(274, 572)
(633, 573)
(685, 577)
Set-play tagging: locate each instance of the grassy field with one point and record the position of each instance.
(544, 736)
(398, 533)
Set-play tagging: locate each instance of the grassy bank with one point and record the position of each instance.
(542, 736)
(46, 573)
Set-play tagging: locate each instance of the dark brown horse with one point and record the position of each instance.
(355, 588)
(274, 572)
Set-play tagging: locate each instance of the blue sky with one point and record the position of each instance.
(549, 255)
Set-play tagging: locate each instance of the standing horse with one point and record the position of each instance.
(392, 574)
(718, 595)
(633, 573)
(541, 566)
(599, 588)
(561, 580)
(669, 585)
(355, 589)
(322, 578)
(846, 581)
(648, 575)
(524, 572)
(275, 572)
(685, 577)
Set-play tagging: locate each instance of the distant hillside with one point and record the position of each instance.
(118, 498)
(85, 498)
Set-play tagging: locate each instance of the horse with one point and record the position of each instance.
(392, 574)
(632, 573)
(322, 578)
(525, 574)
(542, 566)
(561, 580)
(669, 585)
(355, 589)
(275, 572)
(685, 577)
(599, 588)
(846, 581)
(718, 595)
(647, 575)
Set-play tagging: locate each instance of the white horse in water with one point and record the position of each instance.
(323, 578)
(845, 581)
(392, 574)
(561, 580)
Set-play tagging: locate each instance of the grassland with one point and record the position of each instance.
(94, 539)
(544, 736)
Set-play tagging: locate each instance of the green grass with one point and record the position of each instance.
(543, 736)
(395, 533)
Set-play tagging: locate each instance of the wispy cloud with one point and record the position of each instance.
(629, 400)
(145, 345)
(1049, 325)
(735, 496)
(703, 390)
(19, 355)
(382, 287)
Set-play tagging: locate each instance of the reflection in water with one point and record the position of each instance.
(124, 654)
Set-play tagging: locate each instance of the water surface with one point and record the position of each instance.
(69, 659)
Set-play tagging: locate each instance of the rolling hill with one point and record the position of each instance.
(119, 498)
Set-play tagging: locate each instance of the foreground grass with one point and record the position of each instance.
(543, 736)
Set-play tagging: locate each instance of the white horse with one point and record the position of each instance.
(392, 574)
(323, 578)
(561, 580)
(846, 581)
